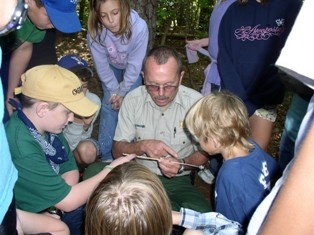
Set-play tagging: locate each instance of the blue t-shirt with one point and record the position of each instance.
(242, 183)
(8, 173)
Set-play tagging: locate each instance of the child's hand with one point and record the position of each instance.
(122, 160)
(192, 45)
(9, 107)
(196, 44)
(116, 101)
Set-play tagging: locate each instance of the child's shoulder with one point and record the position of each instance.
(137, 19)
(93, 97)
(14, 125)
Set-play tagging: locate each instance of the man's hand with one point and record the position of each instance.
(169, 166)
(157, 149)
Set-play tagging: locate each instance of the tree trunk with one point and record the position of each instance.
(147, 10)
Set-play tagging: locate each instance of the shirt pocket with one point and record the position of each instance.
(143, 133)
(181, 139)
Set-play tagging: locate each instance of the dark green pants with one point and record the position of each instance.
(94, 169)
(183, 194)
(179, 189)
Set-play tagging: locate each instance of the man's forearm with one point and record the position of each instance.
(122, 147)
(198, 158)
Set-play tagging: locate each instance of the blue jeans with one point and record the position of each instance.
(286, 150)
(74, 220)
(109, 117)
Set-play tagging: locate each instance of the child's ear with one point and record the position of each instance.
(42, 108)
(216, 143)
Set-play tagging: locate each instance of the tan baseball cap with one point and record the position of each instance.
(56, 84)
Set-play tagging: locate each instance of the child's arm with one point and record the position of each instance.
(177, 220)
(71, 177)
(176, 217)
(32, 223)
(80, 192)
(293, 210)
(197, 43)
(18, 63)
(188, 218)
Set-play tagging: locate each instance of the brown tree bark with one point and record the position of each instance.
(147, 10)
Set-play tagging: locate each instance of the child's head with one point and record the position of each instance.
(220, 119)
(54, 84)
(61, 15)
(114, 15)
(130, 200)
(77, 65)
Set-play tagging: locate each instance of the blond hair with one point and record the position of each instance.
(220, 116)
(131, 200)
(27, 102)
(95, 25)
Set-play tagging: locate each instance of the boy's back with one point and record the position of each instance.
(242, 183)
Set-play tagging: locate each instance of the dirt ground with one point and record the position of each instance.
(193, 78)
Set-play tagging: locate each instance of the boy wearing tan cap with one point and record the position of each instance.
(48, 175)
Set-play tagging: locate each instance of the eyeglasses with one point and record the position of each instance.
(167, 88)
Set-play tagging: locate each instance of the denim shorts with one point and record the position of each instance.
(267, 112)
(96, 144)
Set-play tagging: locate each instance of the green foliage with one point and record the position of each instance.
(188, 16)
(191, 16)
(165, 11)
(83, 12)
(205, 14)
